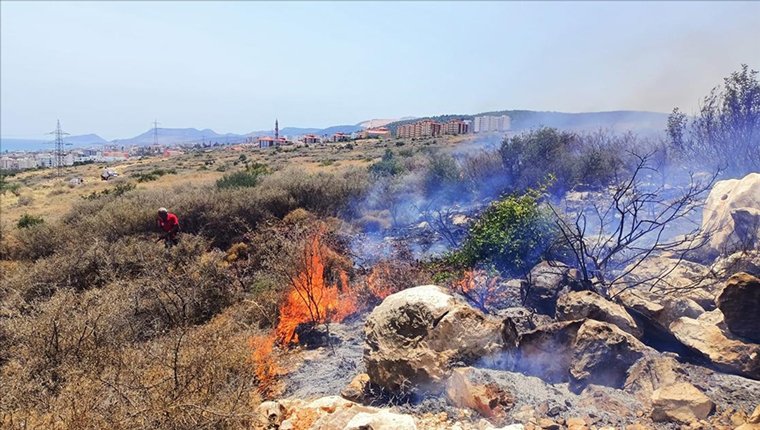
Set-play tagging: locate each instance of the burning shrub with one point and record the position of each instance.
(265, 365)
(316, 278)
(484, 290)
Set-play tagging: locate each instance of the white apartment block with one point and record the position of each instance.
(490, 124)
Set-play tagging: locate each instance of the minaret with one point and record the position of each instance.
(276, 130)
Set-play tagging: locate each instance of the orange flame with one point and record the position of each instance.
(481, 288)
(311, 299)
(379, 281)
(265, 366)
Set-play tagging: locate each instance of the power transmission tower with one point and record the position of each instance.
(59, 153)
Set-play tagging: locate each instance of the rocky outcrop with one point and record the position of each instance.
(740, 304)
(731, 216)
(722, 349)
(477, 390)
(586, 304)
(582, 352)
(681, 403)
(665, 276)
(545, 282)
(414, 336)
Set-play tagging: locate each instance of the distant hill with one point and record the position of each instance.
(174, 136)
(641, 122)
(378, 122)
(85, 139)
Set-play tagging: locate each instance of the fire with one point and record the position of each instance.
(379, 281)
(483, 290)
(265, 366)
(311, 298)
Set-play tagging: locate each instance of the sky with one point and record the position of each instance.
(111, 68)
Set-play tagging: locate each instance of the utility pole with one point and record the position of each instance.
(59, 154)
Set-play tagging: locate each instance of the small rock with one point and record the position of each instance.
(547, 424)
(470, 388)
(381, 420)
(356, 390)
(682, 403)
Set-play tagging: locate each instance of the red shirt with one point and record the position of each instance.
(170, 222)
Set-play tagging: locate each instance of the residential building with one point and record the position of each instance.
(423, 128)
(491, 124)
(311, 139)
(456, 126)
(375, 132)
(341, 137)
(268, 141)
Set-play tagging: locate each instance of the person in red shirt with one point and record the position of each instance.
(169, 223)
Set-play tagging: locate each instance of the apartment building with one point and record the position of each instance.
(491, 124)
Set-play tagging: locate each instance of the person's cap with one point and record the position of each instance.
(162, 210)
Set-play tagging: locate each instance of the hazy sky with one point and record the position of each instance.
(111, 68)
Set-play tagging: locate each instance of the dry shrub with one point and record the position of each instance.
(265, 364)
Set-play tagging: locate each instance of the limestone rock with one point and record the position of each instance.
(740, 304)
(581, 351)
(659, 310)
(602, 355)
(546, 280)
(731, 214)
(471, 388)
(547, 351)
(730, 354)
(665, 276)
(414, 335)
(586, 304)
(356, 390)
(271, 414)
(682, 403)
(649, 374)
(744, 261)
(381, 420)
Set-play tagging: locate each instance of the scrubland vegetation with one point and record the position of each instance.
(101, 327)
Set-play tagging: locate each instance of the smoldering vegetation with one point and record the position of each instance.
(100, 326)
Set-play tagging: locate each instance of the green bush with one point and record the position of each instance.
(512, 235)
(27, 221)
(246, 178)
(389, 165)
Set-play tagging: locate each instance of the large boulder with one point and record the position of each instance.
(545, 282)
(725, 351)
(731, 216)
(673, 277)
(547, 351)
(602, 355)
(740, 304)
(658, 309)
(414, 336)
(681, 403)
(586, 304)
(581, 351)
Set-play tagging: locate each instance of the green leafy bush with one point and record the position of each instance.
(389, 165)
(27, 221)
(246, 178)
(511, 235)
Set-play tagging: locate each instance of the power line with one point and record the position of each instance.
(59, 153)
